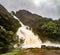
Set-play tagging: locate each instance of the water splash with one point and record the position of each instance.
(48, 43)
(31, 40)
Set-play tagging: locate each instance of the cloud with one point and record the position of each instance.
(47, 8)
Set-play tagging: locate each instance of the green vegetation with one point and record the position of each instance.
(8, 29)
(13, 52)
(51, 30)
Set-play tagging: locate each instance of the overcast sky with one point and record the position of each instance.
(46, 8)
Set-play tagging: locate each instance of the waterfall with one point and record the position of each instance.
(30, 39)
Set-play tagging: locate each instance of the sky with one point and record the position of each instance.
(45, 8)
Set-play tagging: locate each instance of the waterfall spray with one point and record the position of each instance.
(31, 40)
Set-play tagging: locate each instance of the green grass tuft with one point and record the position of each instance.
(13, 52)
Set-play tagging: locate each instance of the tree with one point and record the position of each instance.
(51, 31)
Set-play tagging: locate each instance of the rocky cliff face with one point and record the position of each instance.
(33, 20)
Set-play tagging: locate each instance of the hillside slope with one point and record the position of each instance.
(8, 29)
(46, 28)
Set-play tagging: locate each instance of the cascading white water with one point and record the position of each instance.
(31, 40)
